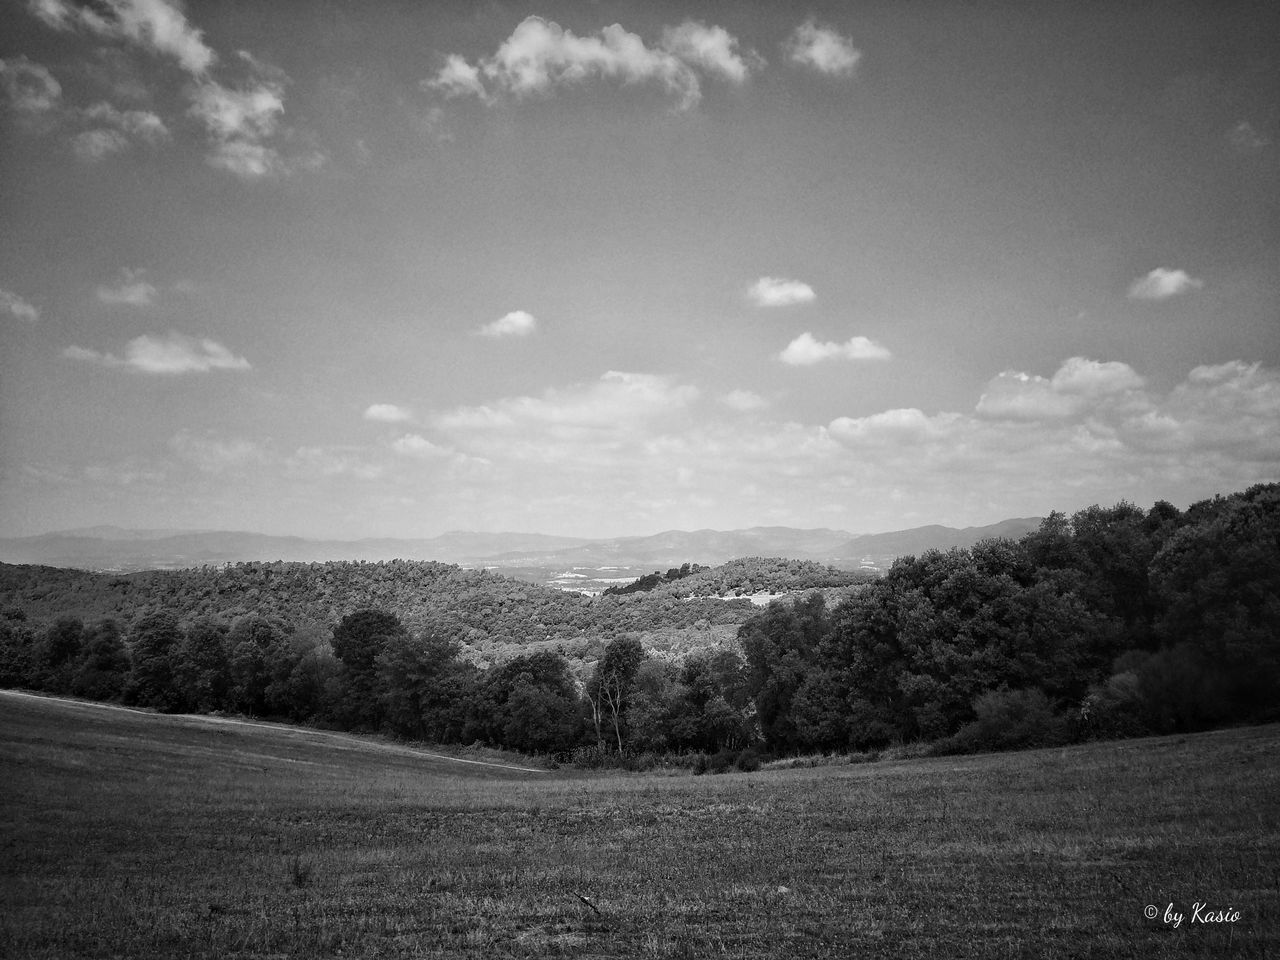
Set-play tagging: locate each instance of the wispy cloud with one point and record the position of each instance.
(540, 56)
(155, 25)
(517, 323)
(28, 86)
(806, 350)
(18, 308)
(780, 292)
(171, 354)
(387, 413)
(241, 124)
(822, 49)
(131, 290)
(1161, 284)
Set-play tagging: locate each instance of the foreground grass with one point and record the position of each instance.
(124, 834)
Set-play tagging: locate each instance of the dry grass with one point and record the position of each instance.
(138, 836)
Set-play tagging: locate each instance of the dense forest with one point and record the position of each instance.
(1114, 621)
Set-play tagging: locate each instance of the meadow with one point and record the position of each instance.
(128, 834)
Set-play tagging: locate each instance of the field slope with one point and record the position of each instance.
(127, 834)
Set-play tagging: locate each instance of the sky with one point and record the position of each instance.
(340, 269)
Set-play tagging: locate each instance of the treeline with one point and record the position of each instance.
(652, 580)
(1112, 622)
(489, 616)
(753, 575)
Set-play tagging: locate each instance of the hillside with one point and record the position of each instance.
(118, 550)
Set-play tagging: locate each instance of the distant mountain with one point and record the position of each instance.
(901, 543)
(113, 548)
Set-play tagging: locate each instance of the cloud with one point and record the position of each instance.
(1078, 386)
(215, 455)
(805, 350)
(744, 401)
(779, 292)
(132, 290)
(387, 413)
(458, 78)
(1161, 284)
(155, 25)
(171, 354)
(822, 49)
(713, 49)
(240, 122)
(114, 130)
(28, 86)
(605, 411)
(414, 445)
(1246, 138)
(517, 323)
(540, 56)
(16, 307)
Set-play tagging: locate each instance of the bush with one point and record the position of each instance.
(748, 761)
(1007, 720)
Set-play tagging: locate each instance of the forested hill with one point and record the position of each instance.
(488, 614)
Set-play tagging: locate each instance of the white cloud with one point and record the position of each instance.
(215, 455)
(806, 350)
(17, 307)
(540, 55)
(1246, 138)
(517, 323)
(1077, 387)
(744, 401)
(132, 290)
(114, 130)
(415, 445)
(28, 86)
(821, 48)
(240, 122)
(387, 413)
(780, 292)
(1161, 284)
(458, 78)
(173, 353)
(91, 146)
(155, 25)
(713, 49)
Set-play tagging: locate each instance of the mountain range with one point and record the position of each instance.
(114, 548)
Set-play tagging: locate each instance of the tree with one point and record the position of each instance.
(155, 639)
(258, 664)
(609, 689)
(202, 666)
(421, 683)
(104, 665)
(357, 642)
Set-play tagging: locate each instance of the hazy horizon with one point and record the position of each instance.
(604, 270)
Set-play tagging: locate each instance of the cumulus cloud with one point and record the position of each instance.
(806, 350)
(115, 130)
(155, 25)
(540, 56)
(171, 354)
(780, 292)
(242, 121)
(240, 124)
(517, 323)
(615, 406)
(744, 401)
(16, 307)
(387, 413)
(713, 49)
(822, 49)
(131, 290)
(28, 86)
(415, 445)
(1077, 386)
(1161, 284)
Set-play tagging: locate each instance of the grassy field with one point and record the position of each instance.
(132, 835)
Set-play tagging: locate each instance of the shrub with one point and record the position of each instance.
(1007, 720)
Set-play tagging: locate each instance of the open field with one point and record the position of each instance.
(126, 834)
